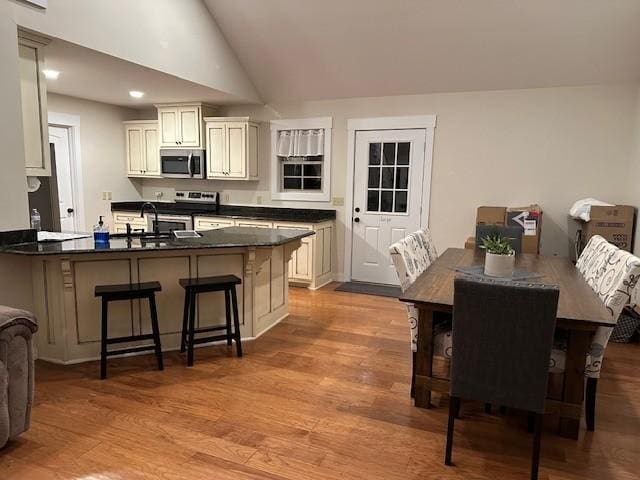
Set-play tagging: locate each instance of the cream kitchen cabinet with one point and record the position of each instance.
(143, 155)
(120, 220)
(232, 148)
(211, 223)
(181, 125)
(33, 93)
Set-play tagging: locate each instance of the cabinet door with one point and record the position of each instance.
(236, 134)
(189, 126)
(168, 122)
(301, 263)
(215, 150)
(135, 151)
(151, 151)
(34, 116)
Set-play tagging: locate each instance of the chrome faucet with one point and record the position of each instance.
(156, 225)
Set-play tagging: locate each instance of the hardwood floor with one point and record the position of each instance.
(323, 395)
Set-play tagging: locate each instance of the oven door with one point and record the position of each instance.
(169, 223)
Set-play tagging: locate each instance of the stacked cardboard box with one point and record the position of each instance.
(615, 224)
(529, 219)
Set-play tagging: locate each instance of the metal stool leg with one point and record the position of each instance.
(103, 342)
(236, 321)
(192, 327)
(185, 323)
(156, 330)
(227, 308)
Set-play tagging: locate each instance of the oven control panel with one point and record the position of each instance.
(196, 196)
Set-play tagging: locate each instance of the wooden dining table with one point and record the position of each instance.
(580, 313)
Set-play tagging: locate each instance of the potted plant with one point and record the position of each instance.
(500, 258)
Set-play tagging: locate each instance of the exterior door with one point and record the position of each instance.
(60, 138)
(387, 198)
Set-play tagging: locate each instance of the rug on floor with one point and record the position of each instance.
(370, 289)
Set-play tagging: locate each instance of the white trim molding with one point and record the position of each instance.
(325, 123)
(72, 122)
(415, 122)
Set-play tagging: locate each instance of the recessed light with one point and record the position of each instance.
(51, 74)
(136, 94)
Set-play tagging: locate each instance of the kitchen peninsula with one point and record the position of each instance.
(65, 274)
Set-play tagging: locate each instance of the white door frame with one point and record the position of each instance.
(426, 122)
(72, 122)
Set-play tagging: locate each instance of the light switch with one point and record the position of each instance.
(107, 195)
(259, 199)
(338, 201)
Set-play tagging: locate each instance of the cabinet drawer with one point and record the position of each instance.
(210, 223)
(131, 218)
(253, 223)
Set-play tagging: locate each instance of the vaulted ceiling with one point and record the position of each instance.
(319, 49)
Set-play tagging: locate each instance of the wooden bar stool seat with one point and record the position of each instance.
(192, 288)
(129, 291)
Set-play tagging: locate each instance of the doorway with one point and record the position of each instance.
(60, 138)
(390, 191)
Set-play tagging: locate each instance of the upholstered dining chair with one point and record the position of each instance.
(613, 274)
(411, 256)
(502, 339)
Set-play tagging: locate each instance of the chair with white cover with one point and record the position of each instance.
(613, 274)
(411, 256)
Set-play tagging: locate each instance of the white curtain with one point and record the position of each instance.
(300, 143)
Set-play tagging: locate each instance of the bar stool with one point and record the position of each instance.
(192, 288)
(112, 293)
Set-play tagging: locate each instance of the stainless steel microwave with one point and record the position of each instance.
(182, 163)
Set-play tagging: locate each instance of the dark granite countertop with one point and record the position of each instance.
(221, 238)
(300, 215)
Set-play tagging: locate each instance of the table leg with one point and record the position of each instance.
(424, 357)
(573, 391)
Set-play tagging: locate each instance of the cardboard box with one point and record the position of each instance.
(529, 220)
(491, 215)
(615, 224)
(470, 244)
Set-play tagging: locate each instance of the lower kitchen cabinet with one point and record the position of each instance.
(310, 266)
(120, 220)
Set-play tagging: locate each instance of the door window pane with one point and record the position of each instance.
(403, 153)
(402, 177)
(389, 154)
(373, 197)
(374, 154)
(401, 202)
(386, 201)
(374, 177)
(387, 177)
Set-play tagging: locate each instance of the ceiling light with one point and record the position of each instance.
(51, 74)
(136, 94)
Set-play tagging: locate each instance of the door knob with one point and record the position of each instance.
(356, 220)
(69, 210)
(357, 209)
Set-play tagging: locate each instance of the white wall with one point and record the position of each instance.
(102, 145)
(176, 37)
(633, 187)
(14, 207)
(550, 146)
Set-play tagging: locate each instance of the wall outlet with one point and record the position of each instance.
(259, 199)
(107, 195)
(159, 195)
(338, 201)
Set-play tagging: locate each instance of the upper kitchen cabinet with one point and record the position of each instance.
(181, 124)
(143, 154)
(232, 148)
(33, 90)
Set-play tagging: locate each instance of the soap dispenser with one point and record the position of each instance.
(101, 232)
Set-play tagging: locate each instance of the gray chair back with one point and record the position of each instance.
(514, 234)
(502, 339)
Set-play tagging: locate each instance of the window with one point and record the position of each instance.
(301, 159)
(388, 177)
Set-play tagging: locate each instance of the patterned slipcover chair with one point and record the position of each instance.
(613, 274)
(411, 256)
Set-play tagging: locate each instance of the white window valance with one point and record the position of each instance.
(300, 143)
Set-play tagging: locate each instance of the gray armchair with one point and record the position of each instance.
(16, 371)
